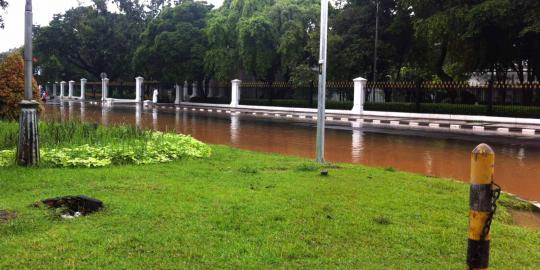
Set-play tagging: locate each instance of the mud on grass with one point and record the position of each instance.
(6, 215)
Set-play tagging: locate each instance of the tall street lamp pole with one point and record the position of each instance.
(321, 114)
(28, 148)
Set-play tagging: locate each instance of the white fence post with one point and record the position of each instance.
(83, 88)
(195, 92)
(62, 89)
(177, 98)
(155, 96)
(359, 95)
(70, 90)
(138, 88)
(235, 93)
(185, 91)
(211, 90)
(104, 89)
(54, 86)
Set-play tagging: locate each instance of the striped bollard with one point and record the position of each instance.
(483, 197)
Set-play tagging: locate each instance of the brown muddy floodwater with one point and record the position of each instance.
(517, 167)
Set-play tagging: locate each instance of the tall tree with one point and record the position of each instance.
(173, 45)
(269, 38)
(88, 41)
(352, 39)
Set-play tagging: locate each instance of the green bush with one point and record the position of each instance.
(12, 86)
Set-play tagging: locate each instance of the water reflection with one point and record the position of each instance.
(83, 112)
(357, 142)
(235, 129)
(138, 115)
(155, 119)
(516, 168)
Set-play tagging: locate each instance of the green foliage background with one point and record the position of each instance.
(273, 40)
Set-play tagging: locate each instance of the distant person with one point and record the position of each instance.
(44, 95)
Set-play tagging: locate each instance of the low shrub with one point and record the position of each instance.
(138, 147)
(12, 85)
(7, 157)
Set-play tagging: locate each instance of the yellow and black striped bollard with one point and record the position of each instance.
(483, 197)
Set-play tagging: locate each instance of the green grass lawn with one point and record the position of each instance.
(246, 210)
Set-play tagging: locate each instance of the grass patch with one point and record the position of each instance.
(249, 170)
(308, 167)
(382, 220)
(207, 214)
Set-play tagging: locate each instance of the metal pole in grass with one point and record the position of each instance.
(484, 194)
(28, 148)
(321, 114)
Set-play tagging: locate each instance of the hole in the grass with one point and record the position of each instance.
(6, 215)
(73, 206)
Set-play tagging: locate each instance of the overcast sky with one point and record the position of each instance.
(12, 35)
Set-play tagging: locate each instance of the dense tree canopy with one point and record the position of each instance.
(278, 40)
(86, 41)
(263, 40)
(173, 45)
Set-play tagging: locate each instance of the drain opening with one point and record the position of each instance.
(74, 206)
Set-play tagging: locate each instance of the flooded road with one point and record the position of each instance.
(517, 167)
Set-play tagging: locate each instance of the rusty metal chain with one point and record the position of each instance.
(495, 194)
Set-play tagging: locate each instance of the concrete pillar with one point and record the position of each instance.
(54, 87)
(83, 88)
(204, 88)
(177, 97)
(138, 88)
(70, 90)
(155, 96)
(235, 94)
(359, 95)
(211, 92)
(186, 96)
(104, 89)
(195, 92)
(62, 89)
